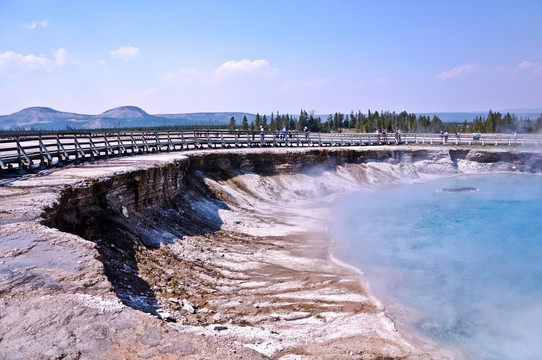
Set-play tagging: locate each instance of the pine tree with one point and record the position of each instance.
(436, 124)
(423, 123)
(538, 124)
(464, 127)
(273, 123)
(507, 123)
(291, 122)
(244, 124)
(312, 124)
(303, 120)
(491, 122)
(232, 124)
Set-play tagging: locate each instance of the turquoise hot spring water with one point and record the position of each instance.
(461, 256)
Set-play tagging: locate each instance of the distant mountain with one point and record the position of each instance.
(125, 112)
(39, 117)
(470, 116)
(454, 116)
(522, 111)
(210, 118)
(43, 118)
(124, 116)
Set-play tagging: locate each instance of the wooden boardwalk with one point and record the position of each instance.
(30, 151)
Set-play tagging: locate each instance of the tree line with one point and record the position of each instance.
(389, 121)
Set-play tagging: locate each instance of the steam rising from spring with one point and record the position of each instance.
(461, 267)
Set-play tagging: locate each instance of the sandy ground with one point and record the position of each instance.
(263, 285)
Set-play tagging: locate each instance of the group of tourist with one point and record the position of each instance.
(384, 135)
(282, 134)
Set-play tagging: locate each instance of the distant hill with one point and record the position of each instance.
(210, 118)
(40, 117)
(43, 118)
(125, 112)
(470, 116)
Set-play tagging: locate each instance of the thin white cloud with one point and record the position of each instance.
(458, 71)
(35, 24)
(105, 66)
(183, 75)
(151, 91)
(383, 82)
(11, 61)
(256, 67)
(61, 57)
(529, 66)
(312, 83)
(228, 71)
(125, 53)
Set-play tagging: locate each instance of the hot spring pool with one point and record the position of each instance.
(464, 252)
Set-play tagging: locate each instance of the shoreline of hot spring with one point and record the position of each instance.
(203, 254)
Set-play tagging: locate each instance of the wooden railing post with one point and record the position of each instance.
(19, 159)
(78, 149)
(121, 144)
(61, 152)
(108, 147)
(134, 143)
(44, 154)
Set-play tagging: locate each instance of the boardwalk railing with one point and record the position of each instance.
(26, 151)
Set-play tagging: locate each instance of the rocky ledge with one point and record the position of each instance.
(203, 255)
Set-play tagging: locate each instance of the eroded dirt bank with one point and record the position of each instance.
(202, 255)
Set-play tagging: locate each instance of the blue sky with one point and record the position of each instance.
(264, 56)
